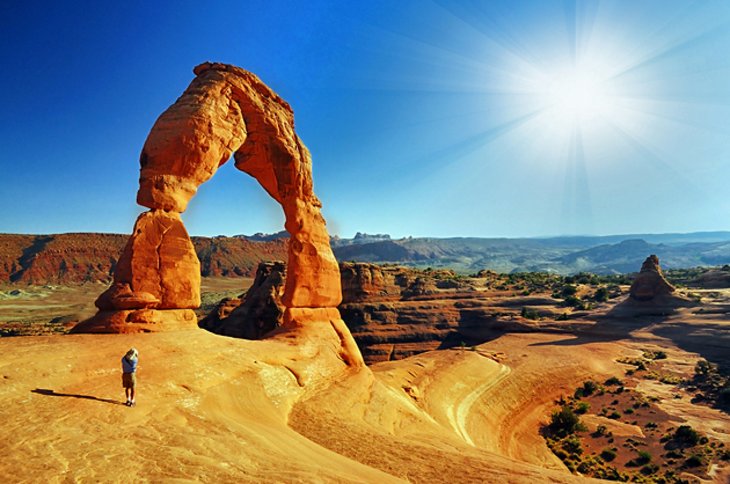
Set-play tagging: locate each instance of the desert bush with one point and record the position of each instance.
(704, 367)
(582, 407)
(695, 460)
(564, 422)
(641, 459)
(601, 430)
(687, 436)
(589, 387)
(614, 415)
(572, 445)
(529, 313)
(613, 381)
(654, 355)
(608, 455)
(601, 294)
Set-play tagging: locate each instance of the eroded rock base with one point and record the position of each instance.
(138, 321)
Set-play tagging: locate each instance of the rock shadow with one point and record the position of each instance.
(605, 329)
(52, 393)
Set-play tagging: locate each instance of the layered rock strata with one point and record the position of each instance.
(226, 111)
(392, 312)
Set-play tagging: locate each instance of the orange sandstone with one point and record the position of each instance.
(225, 110)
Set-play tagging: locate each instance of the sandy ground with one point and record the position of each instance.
(286, 409)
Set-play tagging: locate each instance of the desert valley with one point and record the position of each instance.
(465, 375)
(561, 313)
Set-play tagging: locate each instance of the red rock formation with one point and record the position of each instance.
(90, 257)
(256, 313)
(364, 282)
(650, 282)
(228, 110)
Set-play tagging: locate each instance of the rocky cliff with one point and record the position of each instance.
(393, 312)
(90, 257)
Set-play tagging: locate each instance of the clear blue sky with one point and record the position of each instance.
(498, 118)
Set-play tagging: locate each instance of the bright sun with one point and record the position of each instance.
(576, 96)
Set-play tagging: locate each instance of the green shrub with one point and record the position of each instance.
(589, 387)
(704, 367)
(641, 459)
(601, 294)
(564, 422)
(694, 460)
(613, 381)
(572, 445)
(582, 407)
(529, 313)
(608, 455)
(687, 436)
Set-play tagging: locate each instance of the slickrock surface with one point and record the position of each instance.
(284, 409)
(288, 408)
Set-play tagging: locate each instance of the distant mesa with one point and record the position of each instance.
(224, 111)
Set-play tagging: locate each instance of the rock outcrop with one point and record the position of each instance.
(650, 294)
(365, 282)
(256, 313)
(393, 312)
(79, 258)
(650, 282)
(227, 111)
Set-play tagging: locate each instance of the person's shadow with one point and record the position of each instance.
(51, 393)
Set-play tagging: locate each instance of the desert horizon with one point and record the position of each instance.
(537, 283)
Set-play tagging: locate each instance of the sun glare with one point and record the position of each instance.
(576, 96)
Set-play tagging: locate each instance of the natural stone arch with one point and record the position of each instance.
(225, 110)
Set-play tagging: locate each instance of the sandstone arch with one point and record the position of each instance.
(225, 110)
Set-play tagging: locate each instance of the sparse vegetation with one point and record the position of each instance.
(529, 313)
(714, 384)
(660, 455)
(564, 422)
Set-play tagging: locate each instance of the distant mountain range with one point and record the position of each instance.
(82, 257)
(564, 255)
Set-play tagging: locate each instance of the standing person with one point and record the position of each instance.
(129, 374)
